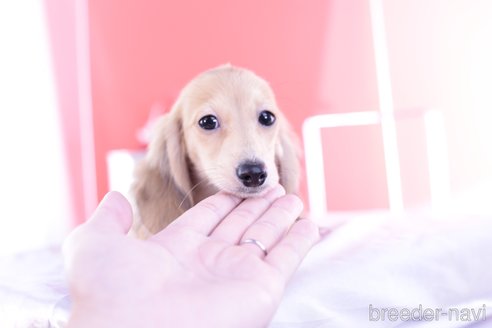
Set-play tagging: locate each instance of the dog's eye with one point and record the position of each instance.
(266, 118)
(209, 122)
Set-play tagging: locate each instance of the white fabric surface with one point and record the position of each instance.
(387, 262)
(33, 291)
(373, 258)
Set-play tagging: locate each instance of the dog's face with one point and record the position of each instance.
(225, 132)
(231, 125)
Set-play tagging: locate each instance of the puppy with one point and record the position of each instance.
(225, 132)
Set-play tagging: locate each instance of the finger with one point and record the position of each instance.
(273, 224)
(114, 214)
(235, 224)
(292, 249)
(205, 216)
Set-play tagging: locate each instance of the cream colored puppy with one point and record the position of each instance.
(225, 132)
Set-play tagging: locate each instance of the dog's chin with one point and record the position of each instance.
(248, 192)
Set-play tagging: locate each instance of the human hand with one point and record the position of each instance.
(194, 273)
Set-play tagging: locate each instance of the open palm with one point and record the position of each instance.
(194, 273)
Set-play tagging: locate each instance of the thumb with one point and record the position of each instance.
(114, 214)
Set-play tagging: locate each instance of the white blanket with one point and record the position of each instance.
(373, 266)
(437, 271)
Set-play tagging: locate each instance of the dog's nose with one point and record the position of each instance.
(252, 174)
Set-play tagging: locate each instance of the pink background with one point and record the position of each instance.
(318, 57)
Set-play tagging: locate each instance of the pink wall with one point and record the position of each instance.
(317, 56)
(355, 173)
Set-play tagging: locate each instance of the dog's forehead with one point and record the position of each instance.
(229, 86)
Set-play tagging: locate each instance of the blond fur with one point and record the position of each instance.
(185, 163)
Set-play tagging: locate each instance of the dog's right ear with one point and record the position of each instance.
(162, 179)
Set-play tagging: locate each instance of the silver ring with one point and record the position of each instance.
(257, 243)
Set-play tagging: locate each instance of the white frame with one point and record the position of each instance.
(436, 154)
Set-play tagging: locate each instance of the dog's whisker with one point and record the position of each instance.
(188, 194)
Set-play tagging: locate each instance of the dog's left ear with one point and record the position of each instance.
(162, 179)
(287, 157)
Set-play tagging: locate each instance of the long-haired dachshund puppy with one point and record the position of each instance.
(224, 132)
